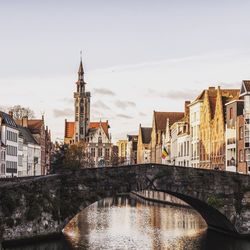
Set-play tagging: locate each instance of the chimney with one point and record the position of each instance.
(186, 108)
(211, 88)
(11, 113)
(25, 121)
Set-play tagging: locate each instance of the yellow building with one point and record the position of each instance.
(212, 126)
(143, 146)
(122, 150)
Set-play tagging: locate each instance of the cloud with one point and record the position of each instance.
(63, 112)
(100, 105)
(124, 104)
(142, 114)
(185, 94)
(103, 91)
(124, 116)
(68, 100)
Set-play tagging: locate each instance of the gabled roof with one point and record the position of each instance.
(161, 119)
(34, 125)
(105, 126)
(7, 120)
(245, 87)
(27, 136)
(146, 135)
(69, 129)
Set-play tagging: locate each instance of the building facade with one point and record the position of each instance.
(9, 137)
(132, 149)
(143, 146)
(234, 109)
(194, 123)
(159, 125)
(122, 151)
(212, 127)
(245, 96)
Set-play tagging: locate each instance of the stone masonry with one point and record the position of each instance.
(43, 206)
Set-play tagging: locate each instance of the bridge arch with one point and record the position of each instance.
(45, 205)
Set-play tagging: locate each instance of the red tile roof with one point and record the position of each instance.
(105, 126)
(161, 119)
(69, 129)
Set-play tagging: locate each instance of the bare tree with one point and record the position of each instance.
(19, 112)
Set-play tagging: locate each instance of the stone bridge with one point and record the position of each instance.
(43, 206)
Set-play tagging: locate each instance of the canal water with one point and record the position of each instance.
(126, 222)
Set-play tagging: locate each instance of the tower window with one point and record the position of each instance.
(81, 130)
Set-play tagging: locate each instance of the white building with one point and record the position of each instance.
(99, 144)
(245, 95)
(9, 138)
(20, 155)
(2, 152)
(194, 121)
(31, 154)
(180, 143)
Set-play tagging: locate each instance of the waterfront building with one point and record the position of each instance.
(2, 152)
(245, 96)
(132, 149)
(158, 129)
(212, 126)
(233, 136)
(94, 135)
(20, 171)
(31, 154)
(9, 140)
(179, 153)
(42, 136)
(122, 151)
(194, 123)
(143, 146)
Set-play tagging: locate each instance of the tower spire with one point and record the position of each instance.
(80, 71)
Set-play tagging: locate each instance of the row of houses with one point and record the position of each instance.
(25, 146)
(212, 132)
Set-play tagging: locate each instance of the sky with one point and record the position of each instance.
(138, 56)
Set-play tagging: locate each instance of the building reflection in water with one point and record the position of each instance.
(126, 223)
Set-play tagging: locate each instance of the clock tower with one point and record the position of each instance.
(82, 107)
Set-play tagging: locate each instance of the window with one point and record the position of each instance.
(241, 132)
(99, 139)
(231, 113)
(92, 152)
(20, 160)
(107, 152)
(241, 155)
(99, 152)
(81, 130)
(2, 168)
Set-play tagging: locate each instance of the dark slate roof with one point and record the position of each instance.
(146, 134)
(247, 85)
(8, 120)
(27, 136)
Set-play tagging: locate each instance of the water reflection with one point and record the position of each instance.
(125, 223)
(122, 223)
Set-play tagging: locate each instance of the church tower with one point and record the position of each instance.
(82, 107)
